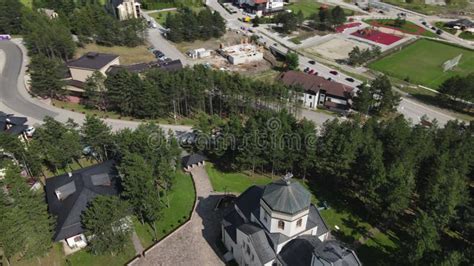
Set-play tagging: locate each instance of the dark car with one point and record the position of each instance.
(315, 73)
(329, 78)
(381, 12)
(306, 70)
(439, 32)
(312, 62)
(424, 23)
(311, 71)
(334, 72)
(158, 53)
(433, 28)
(350, 79)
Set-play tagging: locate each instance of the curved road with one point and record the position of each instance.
(14, 97)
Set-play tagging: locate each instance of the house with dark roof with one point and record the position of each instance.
(461, 24)
(276, 224)
(318, 91)
(124, 9)
(68, 195)
(261, 7)
(193, 160)
(14, 125)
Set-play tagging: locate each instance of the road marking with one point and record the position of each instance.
(431, 110)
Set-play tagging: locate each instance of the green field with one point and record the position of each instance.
(233, 182)
(421, 63)
(310, 7)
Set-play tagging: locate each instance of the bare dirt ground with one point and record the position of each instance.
(335, 48)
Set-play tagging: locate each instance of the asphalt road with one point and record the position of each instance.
(15, 99)
(9, 94)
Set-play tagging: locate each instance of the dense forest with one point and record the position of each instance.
(412, 180)
(183, 93)
(189, 26)
(458, 92)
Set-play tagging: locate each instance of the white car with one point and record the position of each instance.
(30, 131)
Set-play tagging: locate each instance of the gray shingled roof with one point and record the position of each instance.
(286, 196)
(193, 159)
(249, 200)
(68, 211)
(259, 241)
(299, 252)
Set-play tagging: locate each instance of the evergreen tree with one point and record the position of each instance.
(95, 91)
(338, 16)
(423, 239)
(46, 77)
(11, 16)
(364, 100)
(388, 100)
(97, 135)
(104, 219)
(26, 227)
(292, 60)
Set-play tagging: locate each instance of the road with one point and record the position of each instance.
(410, 108)
(160, 43)
(15, 99)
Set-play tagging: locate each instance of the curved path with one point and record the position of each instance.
(14, 97)
(195, 242)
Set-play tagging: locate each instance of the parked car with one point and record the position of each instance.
(306, 70)
(5, 37)
(381, 12)
(424, 23)
(439, 32)
(334, 72)
(350, 79)
(433, 28)
(158, 54)
(312, 62)
(315, 73)
(30, 131)
(329, 78)
(311, 71)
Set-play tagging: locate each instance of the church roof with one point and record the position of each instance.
(286, 196)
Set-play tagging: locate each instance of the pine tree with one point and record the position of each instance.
(104, 219)
(46, 77)
(98, 135)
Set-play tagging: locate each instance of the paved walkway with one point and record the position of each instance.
(195, 242)
(136, 243)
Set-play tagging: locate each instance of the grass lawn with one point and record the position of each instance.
(467, 36)
(83, 163)
(407, 27)
(160, 17)
(75, 107)
(422, 62)
(128, 55)
(56, 257)
(420, 7)
(181, 201)
(27, 3)
(310, 7)
(233, 182)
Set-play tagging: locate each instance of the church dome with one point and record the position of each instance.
(286, 196)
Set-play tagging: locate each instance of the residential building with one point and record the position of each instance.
(78, 70)
(14, 125)
(276, 224)
(124, 9)
(69, 194)
(318, 91)
(461, 24)
(241, 53)
(261, 7)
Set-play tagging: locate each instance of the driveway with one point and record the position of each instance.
(195, 242)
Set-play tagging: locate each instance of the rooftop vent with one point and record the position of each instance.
(92, 54)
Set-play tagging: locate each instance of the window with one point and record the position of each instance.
(310, 96)
(281, 225)
(299, 222)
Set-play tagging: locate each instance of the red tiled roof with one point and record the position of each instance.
(315, 83)
(259, 1)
